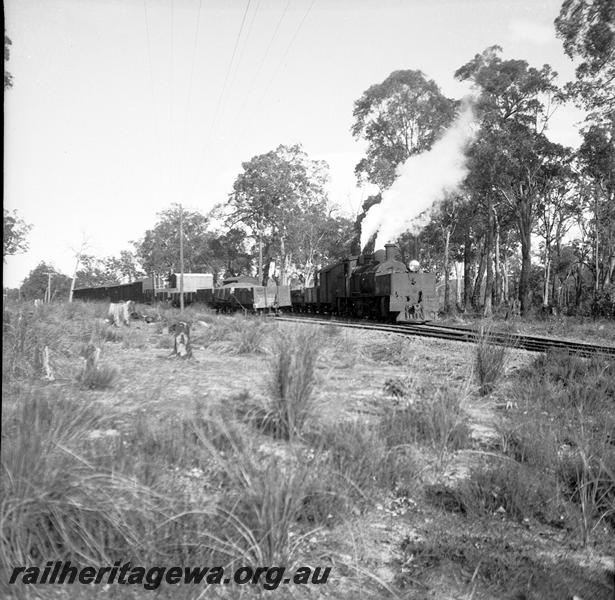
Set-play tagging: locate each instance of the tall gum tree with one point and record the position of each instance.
(397, 118)
(514, 106)
(587, 31)
(158, 251)
(15, 231)
(272, 194)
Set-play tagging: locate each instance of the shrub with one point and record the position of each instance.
(489, 362)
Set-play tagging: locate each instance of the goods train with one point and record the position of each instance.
(376, 286)
(235, 294)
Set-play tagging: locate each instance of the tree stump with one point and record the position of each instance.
(91, 354)
(181, 345)
(42, 364)
(120, 312)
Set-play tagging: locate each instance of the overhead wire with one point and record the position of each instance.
(284, 55)
(171, 91)
(228, 70)
(260, 67)
(223, 90)
(245, 44)
(153, 100)
(190, 85)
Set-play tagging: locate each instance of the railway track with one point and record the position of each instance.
(461, 334)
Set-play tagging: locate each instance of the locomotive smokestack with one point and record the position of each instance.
(390, 251)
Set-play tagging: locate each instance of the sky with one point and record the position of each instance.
(121, 107)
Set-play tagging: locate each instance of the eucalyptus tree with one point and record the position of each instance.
(271, 196)
(587, 30)
(399, 117)
(596, 158)
(158, 250)
(513, 108)
(15, 233)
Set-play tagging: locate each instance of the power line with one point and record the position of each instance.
(260, 66)
(285, 54)
(245, 44)
(151, 75)
(228, 70)
(171, 78)
(187, 112)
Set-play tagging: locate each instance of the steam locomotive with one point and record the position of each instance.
(375, 286)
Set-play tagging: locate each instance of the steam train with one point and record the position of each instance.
(375, 286)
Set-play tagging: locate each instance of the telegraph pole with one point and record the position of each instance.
(181, 258)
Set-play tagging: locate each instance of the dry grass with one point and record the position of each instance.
(490, 361)
(437, 421)
(330, 477)
(57, 503)
(101, 377)
(291, 385)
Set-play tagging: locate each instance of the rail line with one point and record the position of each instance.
(461, 334)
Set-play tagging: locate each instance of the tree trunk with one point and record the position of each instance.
(476, 293)
(458, 295)
(610, 270)
(282, 279)
(487, 305)
(72, 283)
(597, 256)
(497, 266)
(525, 231)
(447, 239)
(505, 283)
(545, 298)
(467, 269)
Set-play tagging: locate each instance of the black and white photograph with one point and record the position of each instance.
(308, 299)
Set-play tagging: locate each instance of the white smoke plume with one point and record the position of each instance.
(421, 181)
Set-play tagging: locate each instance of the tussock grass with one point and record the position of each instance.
(291, 384)
(264, 496)
(234, 332)
(355, 466)
(522, 492)
(393, 352)
(342, 347)
(438, 422)
(398, 387)
(494, 566)
(251, 337)
(565, 430)
(489, 361)
(55, 503)
(101, 377)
